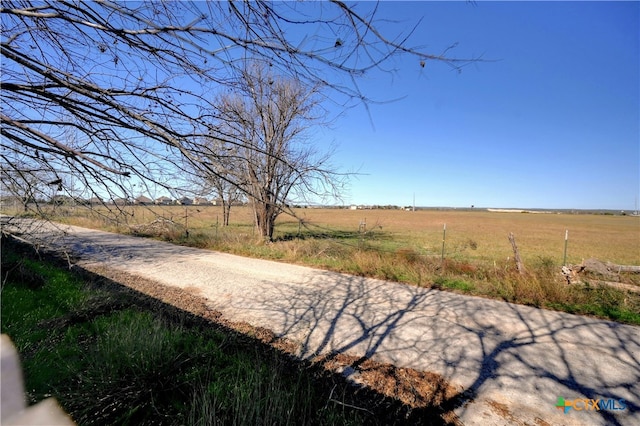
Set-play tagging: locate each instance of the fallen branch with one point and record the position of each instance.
(331, 399)
(623, 268)
(600, 272)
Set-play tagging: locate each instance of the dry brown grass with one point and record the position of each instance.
(477, 235)
(609, 238)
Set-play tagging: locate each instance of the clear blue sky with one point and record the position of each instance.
(554, 122)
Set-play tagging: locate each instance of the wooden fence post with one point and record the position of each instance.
(566, 240)
(516, 254)
(444, 237)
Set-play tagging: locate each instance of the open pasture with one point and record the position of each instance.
(475, 235)
(483, 235)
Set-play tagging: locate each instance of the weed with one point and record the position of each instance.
(452, 284)
(408, 255)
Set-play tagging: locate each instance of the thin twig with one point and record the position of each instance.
(345, 404)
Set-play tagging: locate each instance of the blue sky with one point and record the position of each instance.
(550, 120)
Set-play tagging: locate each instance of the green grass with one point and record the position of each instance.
(34, 298)
(453, 284)
(603, 301)
(110, 359)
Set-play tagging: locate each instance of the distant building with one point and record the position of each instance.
(121, 201)
(199, 201)
(14, 200)
(185, 201)
(164, 201)
(236, 203)
(143, 201)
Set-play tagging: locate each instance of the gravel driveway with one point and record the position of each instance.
(513, 362)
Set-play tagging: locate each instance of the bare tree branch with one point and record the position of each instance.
(106, 93)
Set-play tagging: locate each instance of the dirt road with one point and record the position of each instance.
(514, 362)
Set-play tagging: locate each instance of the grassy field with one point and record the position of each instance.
(407, 247)
(483, 235)
(479, 235)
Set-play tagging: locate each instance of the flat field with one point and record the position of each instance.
(483, 235)
(477, 235)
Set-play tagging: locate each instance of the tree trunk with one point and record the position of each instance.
(226, 212)
(265, 220)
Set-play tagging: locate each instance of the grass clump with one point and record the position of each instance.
(453, 284)
(602, 301)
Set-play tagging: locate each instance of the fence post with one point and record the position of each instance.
(566, 240)
(362, 229)
(516, 253)
(186, 221)
(444, 235)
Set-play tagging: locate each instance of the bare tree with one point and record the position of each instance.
(219, 176)
(264, 123)
(227, 193)
(132, 81)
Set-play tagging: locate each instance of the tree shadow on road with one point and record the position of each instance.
(515, 356)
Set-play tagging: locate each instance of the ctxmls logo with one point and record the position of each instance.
(583, 404)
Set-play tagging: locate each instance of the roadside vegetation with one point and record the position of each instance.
(111, 355)
(408, 247)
